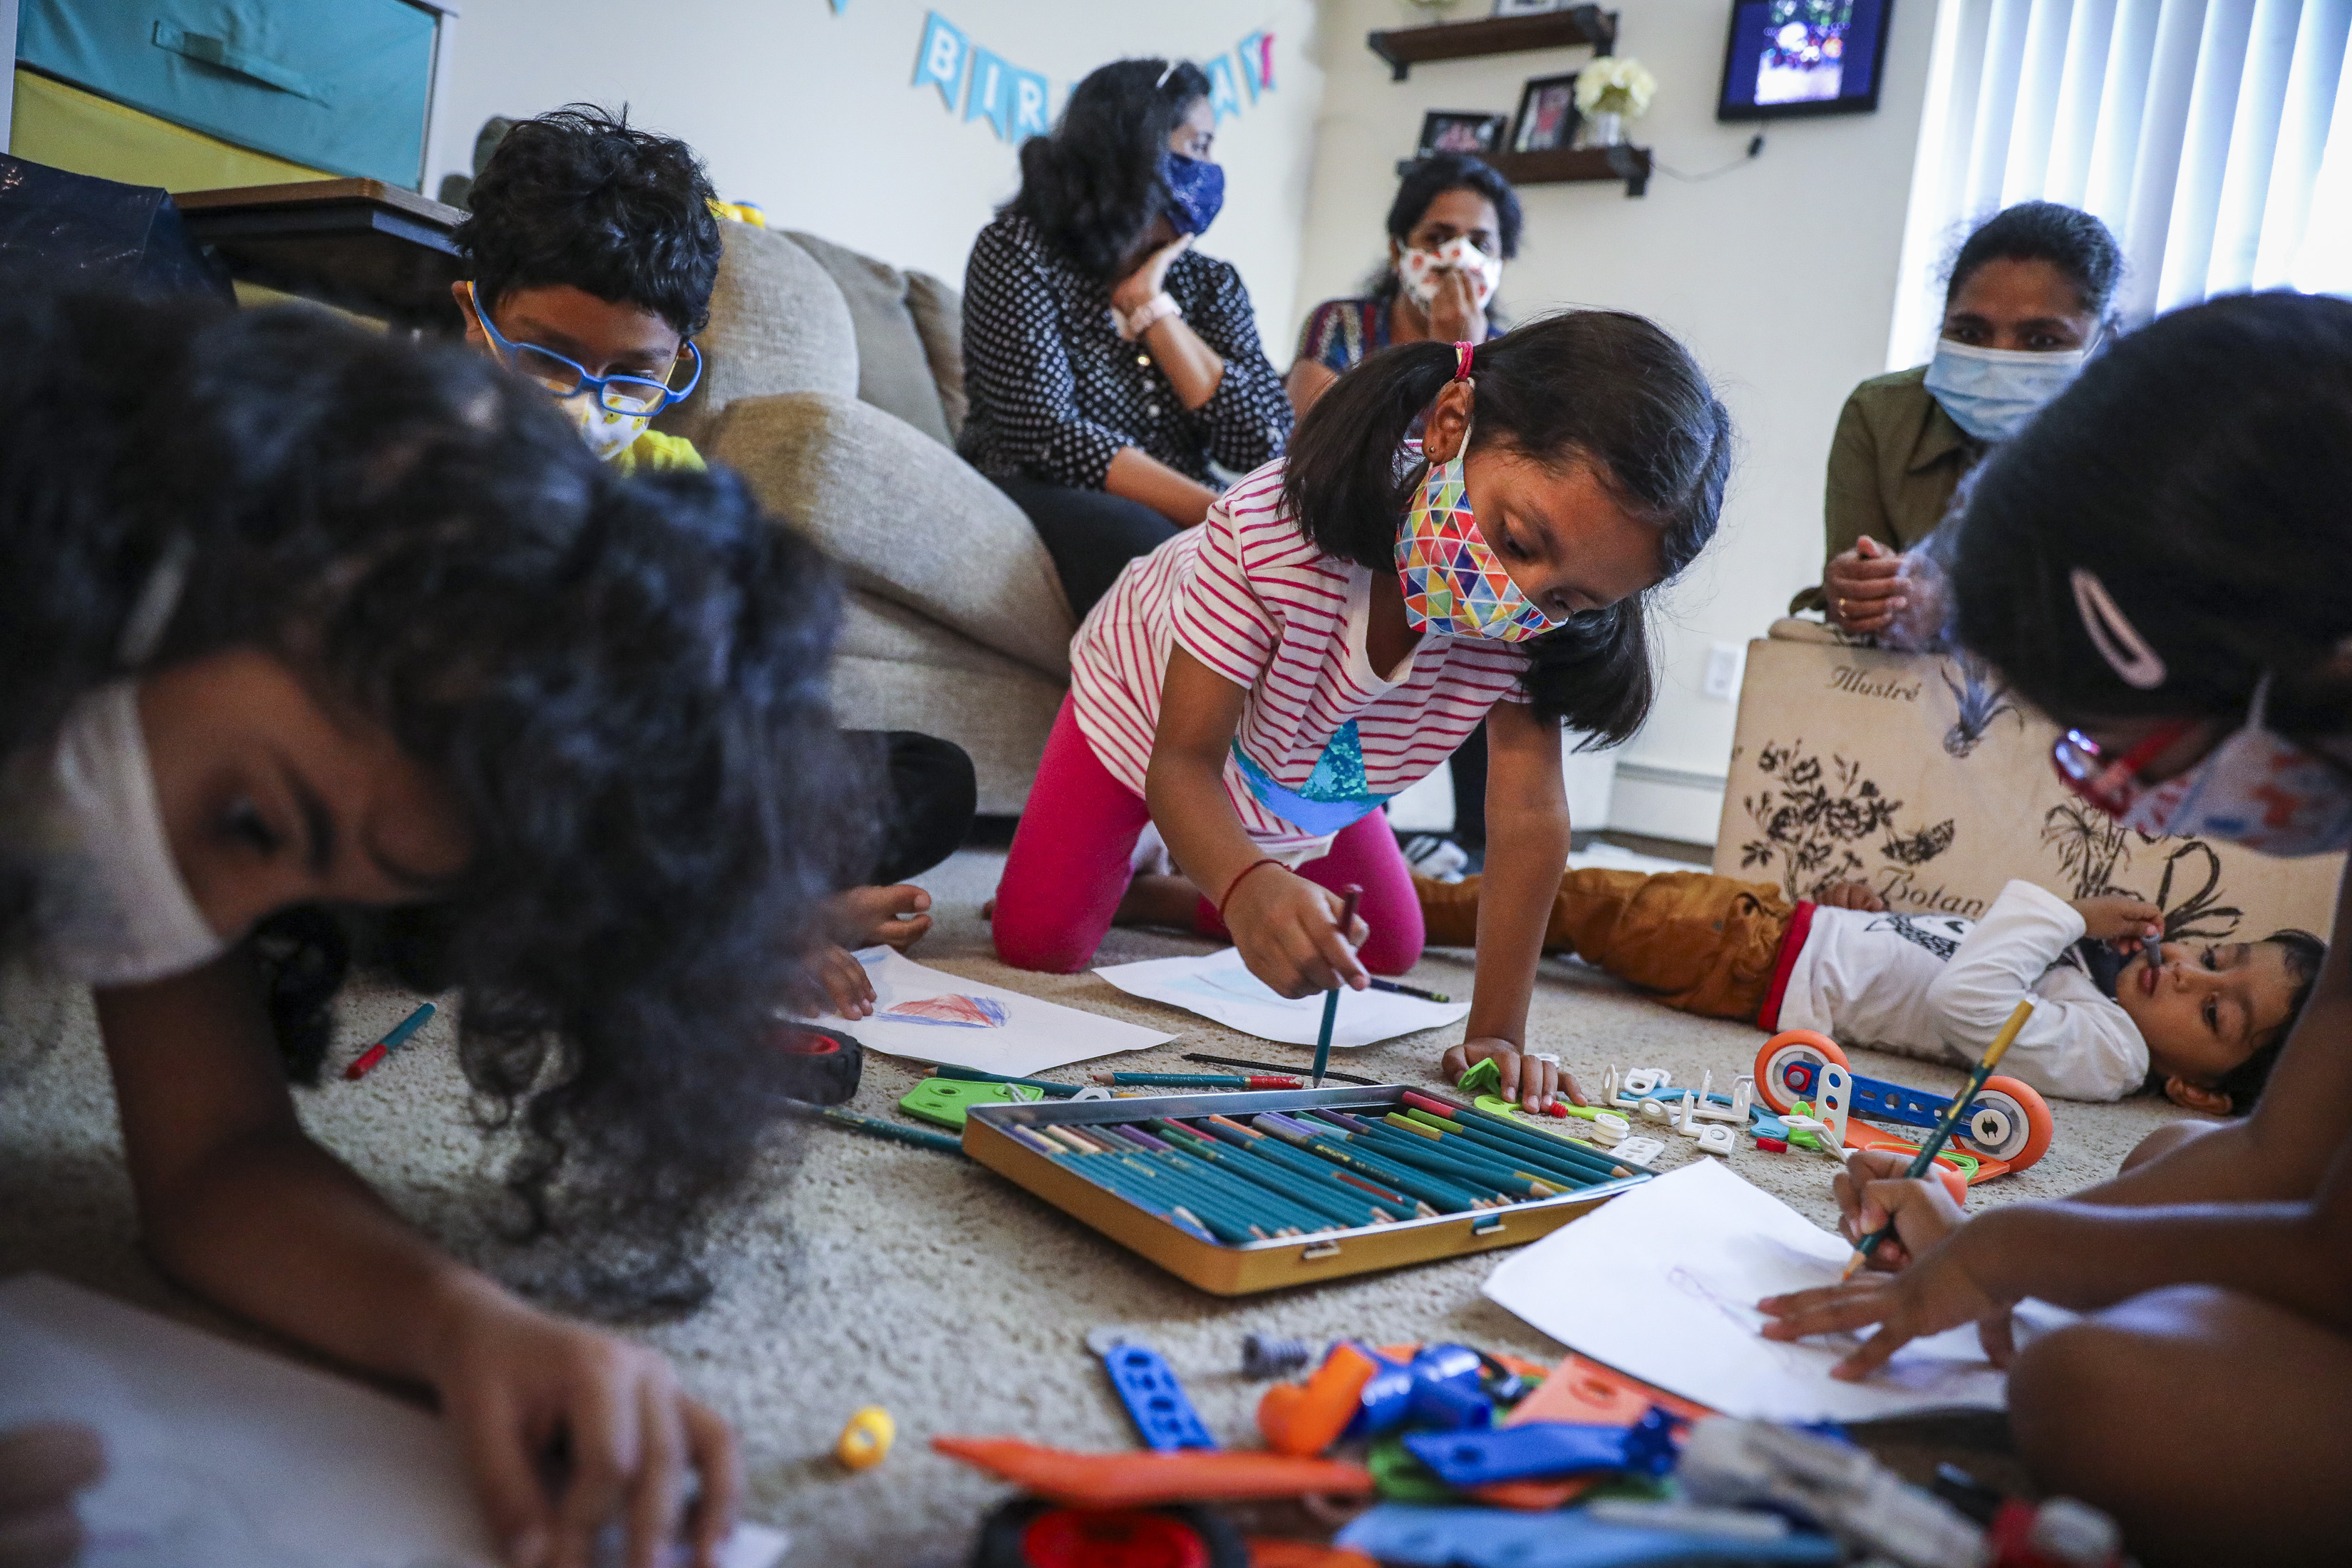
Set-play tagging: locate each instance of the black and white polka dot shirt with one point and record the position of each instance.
(1054, 393)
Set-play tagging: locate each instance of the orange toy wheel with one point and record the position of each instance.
(2011, 1123)
(1786, 1067)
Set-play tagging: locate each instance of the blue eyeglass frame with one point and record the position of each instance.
(509, 349)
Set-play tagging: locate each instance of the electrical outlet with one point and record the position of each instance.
(1723, 662)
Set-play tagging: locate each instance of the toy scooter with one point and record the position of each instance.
(2008, 1126)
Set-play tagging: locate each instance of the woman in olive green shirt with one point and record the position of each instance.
(2028, 297)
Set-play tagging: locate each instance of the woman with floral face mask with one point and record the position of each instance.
(2026, 304)
(1257, 687)
(1454, 224)
(2163, 563)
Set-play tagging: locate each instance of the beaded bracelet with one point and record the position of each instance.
(1235, 885)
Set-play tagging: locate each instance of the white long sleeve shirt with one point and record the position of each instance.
(1939, 988)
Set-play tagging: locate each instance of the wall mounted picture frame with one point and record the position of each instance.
(1547, 117)
(1462, 131)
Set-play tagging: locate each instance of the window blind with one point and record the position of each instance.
(2210, 135)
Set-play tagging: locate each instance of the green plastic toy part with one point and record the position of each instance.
(944, 1101)
(1484, 1078)
(1400, 1477)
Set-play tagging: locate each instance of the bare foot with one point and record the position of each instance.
(1157, 901)
(897, 916)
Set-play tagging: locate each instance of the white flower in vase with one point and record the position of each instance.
(1611, 90)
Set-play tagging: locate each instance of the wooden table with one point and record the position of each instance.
(362, 245)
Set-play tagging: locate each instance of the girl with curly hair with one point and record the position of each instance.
(316, 638)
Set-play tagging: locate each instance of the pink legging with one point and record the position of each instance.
(1068, 868)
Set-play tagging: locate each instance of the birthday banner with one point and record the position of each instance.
(984, 85)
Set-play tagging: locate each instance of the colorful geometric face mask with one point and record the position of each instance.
(1454, 583)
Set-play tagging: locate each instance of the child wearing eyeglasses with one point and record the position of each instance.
(595, 252)
(2200, 1023)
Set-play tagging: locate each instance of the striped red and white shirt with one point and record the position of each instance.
(1249, 597)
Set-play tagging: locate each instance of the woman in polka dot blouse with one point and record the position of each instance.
(1108, 364)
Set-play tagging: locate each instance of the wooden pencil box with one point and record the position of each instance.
(1239, 1270)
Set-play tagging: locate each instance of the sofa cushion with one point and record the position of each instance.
(938, 310)
(777, 325)
(895, 669)
(909, 520)
(893, 373)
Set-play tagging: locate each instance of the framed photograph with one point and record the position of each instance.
(1529, 7)
(1548, 115)
(1460, 131)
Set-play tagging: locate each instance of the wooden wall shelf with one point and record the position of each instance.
(1567, 166)
(1405, 48)
(1631, 165)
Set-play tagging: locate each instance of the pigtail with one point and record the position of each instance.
(1344, 483)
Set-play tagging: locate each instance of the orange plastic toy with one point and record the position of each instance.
(1308, 1417)
(1149, 1481)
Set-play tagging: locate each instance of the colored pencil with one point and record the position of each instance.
(1272, 1066)
(1568, 1164)
(1347, 1208)
(1350, 895)
(389, 1044)
(1448, 1196)
(1262, 1154)
(1943, 1125)
(1380, 985)
(890, 1130)
(1202, 1079)
(1506, 1178)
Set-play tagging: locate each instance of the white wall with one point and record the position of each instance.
(1780, 275)
(813, 116)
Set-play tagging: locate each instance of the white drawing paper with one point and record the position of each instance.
(930, 1016)
(221, 1456)
(1663, 1283)
(1219, 986)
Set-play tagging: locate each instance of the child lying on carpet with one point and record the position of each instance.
(2205, 1027)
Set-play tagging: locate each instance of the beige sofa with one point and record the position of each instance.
(1919, 775)
(834, 384)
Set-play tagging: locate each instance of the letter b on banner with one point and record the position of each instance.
(941, 60)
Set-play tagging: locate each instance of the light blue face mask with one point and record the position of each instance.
(1992, 392)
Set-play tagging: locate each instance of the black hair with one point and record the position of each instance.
(1093, 187)
(1596, 386)
(2244, 1083)
(620, 683)
(581, 196)
(2199, 468)
(2078, 245)
(1429, 178)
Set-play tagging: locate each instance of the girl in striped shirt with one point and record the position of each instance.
(1258, 686)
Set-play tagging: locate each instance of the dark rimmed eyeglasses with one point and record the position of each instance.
(637, 395)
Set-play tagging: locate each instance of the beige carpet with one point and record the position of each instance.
(895, 1276)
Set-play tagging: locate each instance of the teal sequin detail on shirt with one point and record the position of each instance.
(1335, 795)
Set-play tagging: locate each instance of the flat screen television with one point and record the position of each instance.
(1789, 57)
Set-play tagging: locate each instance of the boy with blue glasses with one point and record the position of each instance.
(595, 251)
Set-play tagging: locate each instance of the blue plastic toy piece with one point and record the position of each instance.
(1547, 1449)
(1155, 1401)
(1460, 1537)
(1441, 1389)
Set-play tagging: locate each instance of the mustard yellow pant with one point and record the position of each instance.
(1699, 942)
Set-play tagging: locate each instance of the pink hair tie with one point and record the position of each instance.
(1462, 353)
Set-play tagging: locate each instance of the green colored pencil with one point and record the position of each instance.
(890, 1130)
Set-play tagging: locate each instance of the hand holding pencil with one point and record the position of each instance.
(1297, 936)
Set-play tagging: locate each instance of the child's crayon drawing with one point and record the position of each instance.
(952, 1012)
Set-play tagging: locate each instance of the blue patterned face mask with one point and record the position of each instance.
(1197, 188)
